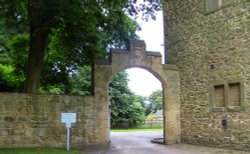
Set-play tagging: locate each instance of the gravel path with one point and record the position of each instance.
(139, 143)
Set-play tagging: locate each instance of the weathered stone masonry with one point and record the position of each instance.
(211, 48)
(137, 56)
(35, 120)
(30, 120)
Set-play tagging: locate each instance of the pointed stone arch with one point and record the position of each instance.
(137, 56)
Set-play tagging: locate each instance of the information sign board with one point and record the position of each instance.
(68, 119)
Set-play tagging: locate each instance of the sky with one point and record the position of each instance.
(141, 81)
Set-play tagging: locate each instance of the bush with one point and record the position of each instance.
(9, 81)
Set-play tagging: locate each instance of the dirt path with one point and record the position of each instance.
(139, 143)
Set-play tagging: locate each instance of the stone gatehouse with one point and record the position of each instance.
(209, 41)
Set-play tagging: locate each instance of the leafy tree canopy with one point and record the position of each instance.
(125, 106)
(54, 43)
(62, 35)
(155, 102)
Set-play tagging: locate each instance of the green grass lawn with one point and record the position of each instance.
(137, 130)
(37, 151)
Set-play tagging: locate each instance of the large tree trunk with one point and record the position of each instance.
(38, 44)
(35, 62)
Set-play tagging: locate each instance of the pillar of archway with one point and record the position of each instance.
(137, 56)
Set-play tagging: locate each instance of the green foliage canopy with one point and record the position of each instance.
(76, 31)
(125, 107)
(155, 102)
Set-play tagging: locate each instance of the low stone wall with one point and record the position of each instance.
(33, 120)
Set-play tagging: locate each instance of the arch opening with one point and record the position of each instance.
(136, 104)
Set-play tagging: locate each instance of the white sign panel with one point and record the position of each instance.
(68, 118)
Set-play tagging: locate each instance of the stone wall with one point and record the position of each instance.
(211, 48)
(28, 120)
(35, 120)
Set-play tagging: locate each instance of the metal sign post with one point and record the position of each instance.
(68, 138)
(68, 119)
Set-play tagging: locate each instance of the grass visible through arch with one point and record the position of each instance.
(136, 129)
(38, 151)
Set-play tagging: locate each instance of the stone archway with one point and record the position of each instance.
(137, 56)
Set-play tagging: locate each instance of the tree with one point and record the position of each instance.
(125, 107)
(138, 109)
(80, 81)
(81, 27)
(141, 100)
(13, 51)
(155, 102)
